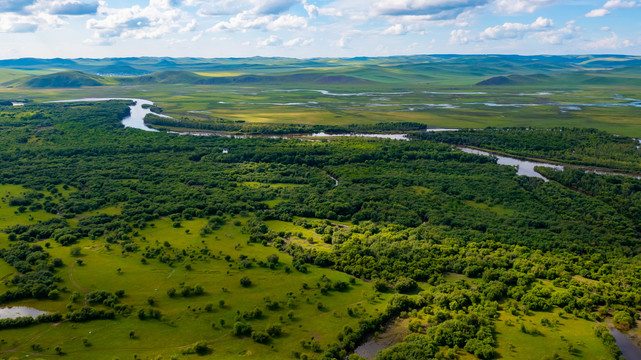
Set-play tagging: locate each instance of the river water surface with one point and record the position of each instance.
(19, 311)
(628, 348)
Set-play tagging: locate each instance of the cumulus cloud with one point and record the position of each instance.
(598, 13)
(16, 26)
(299, 41)
(343, 42)
(19, 16)
(272, 40)
(515, 30)
(618, 4)
(314, 11)
(610, 43)
(430, 9)
(460, 36)
(160, 17)
(398, 29)
(558, 36)
(611, 5)
(248, 21)
(520, 6)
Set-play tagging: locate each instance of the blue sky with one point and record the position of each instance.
(316, 28)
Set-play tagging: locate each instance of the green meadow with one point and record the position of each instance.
(186, 320)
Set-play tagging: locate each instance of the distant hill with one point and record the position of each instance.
(446, 69)
(35, 62)
(73, 79)
(340, 79)
(514, 80)
(166, 77)
(120, 70)
(64, 79)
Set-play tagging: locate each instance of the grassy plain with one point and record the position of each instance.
(435, 105)
(185, 319)
(567, 337)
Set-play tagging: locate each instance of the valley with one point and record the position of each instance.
(292, 235)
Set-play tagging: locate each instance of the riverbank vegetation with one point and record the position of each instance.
(156, 244)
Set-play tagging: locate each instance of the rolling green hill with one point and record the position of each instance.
(64, 79)
(75, 79)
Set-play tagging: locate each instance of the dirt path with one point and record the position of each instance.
(74, 281)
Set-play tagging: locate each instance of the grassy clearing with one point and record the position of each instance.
(185, 320)
(497, 209)
(568, 337)
(10, 216)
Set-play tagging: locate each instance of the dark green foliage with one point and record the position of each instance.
(27, 321)
(241, 329)
(260, 337)
(274, 330)
(405, 285)
(200, 348)
(245, 281)
(589, 147)
(89, 313)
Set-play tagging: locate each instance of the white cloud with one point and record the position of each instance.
(159, 18)
(299, 41)
(598, 13)
(20, 16)
(611, 4)
(197, 36)
(343, 42)
(460, 36)
(272, 40)
(520, 6)
(558, 36)
(314, 11)
(247, 21)
(431, 9)
(618, 4)
(610, 43)
(398, 29)
(515, 30)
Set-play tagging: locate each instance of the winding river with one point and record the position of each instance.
(523, 167)
(139, 110)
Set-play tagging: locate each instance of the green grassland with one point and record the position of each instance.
(184, 319)
(436, 92)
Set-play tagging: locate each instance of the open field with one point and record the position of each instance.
(185, 320)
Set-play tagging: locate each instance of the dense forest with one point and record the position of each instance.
(416, 212)
(585, 147)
